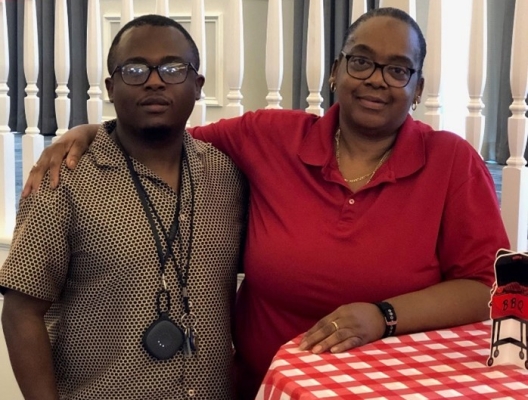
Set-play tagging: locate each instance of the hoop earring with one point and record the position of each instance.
(414, 105)
(332, 87)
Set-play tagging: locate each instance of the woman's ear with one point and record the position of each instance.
(109, 83)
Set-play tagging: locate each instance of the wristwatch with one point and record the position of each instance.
(387, 310)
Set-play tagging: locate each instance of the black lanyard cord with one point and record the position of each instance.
(182, 271)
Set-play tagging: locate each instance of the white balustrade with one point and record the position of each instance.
(433, 65)
(477, 73)
(94, 62)
(515, 174)
(359, 7)
(315, 56)
(198, 34)
(62, 67)
(32, 141)
(7, 143)
(127, 12)
(162, 7)
(234, 61)
(409, 6)
(274, 53)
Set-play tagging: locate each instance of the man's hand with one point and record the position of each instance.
(72, 145)
(349, 326)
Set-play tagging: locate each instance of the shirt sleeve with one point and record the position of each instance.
(472, 229)
(37, 263)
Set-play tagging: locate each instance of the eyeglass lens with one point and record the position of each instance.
(363, 68)
(138, 74)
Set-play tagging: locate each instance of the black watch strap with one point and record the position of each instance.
(390, 318)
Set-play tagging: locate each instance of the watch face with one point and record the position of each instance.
(163, 339)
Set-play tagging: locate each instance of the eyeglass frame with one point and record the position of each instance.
(381, 67)
(154, 67)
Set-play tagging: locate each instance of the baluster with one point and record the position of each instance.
(127, 11)
(94, 62)
(32, 142)
(198, 34)
(433, 65)
(409, 6)
(234, 61)
(162, 7)
(315, 57)
(62, 67)
(359, 7)
(515, 174)
(274, 53)
(7, 142)
(477, 73)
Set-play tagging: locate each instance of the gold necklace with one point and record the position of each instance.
(363, 177)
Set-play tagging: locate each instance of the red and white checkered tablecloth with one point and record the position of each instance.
(444, 364)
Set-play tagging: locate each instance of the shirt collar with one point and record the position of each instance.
(407, 156)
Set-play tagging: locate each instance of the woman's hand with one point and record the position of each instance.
(72, 145)
(349, 326)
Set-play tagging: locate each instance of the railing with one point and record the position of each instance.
(230, 20)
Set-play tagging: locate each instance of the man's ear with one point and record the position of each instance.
(109, 83)
(198, 84)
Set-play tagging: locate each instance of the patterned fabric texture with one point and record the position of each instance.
(88, 247)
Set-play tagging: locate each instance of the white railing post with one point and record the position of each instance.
(162, 7)
(7, 142)
(515, 175)
(359, 7)
(32, 142)
(62, 67)
(315, 57)
(433, 66)
(198, 34)
(234, 61)
(274, 53)
(127, 12)
(94, 62)
(477, 73)
(409, 6)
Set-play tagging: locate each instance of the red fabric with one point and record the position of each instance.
(445, 364)
(429, 214)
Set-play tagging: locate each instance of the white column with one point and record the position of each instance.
(274, 53)
(515, 174)
(234, 61)
(433, 65)
(315, 57)
(94, 62)
(359, 7)
(198, 34)
(127, 11)
(32, 142)
(162, 7)
(477, 73)
(62, 67)
(7, 143)
(409, 6)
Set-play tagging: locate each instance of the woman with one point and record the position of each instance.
(361, 206)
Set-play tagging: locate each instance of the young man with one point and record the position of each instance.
(119, 285)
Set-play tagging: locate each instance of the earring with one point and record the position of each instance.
(414, 105)
(332, 87)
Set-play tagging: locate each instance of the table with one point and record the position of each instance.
(444, 364)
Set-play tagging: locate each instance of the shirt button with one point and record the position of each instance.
(191, 392)
(351, 201)
(183, 218)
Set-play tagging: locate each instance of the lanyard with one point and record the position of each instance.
(182, 271)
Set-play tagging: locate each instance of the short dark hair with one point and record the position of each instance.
(394, 13)
(151, 20)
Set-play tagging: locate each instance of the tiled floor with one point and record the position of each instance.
(495, 169)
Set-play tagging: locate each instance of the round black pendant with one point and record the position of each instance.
(163, 338)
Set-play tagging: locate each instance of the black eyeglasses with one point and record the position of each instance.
(363, 68)
(170, 73)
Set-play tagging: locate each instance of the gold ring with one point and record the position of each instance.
(335, 324)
